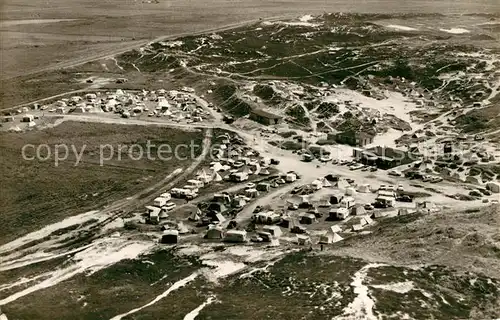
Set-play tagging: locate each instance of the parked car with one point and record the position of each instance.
(169, 206)
(368, 206)
(275, 161)
(436, 179)
(405, 198)
(293, 206)
(256, 238)
(394, 173)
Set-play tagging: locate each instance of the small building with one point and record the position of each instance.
(170, 237)
(264, 117)
(384, 157)
(354, 138)
(8, 119)
(235, 236)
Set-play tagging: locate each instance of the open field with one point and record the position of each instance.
(35, 193)
(107, 26)
(368, 190)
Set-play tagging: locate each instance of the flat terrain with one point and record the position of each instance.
(101, 27)
(36, 193)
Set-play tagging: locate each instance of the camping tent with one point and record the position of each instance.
(317, 184)
(358, 210)
(217, 166)
(350, 191)
(326, 183)
(343, 184)
(181, 227)
(364, 188)
(195, 216)
(335, 229)
(357, 227)
(170, 236)
(217, 177)
(303, 239)
(214, 232)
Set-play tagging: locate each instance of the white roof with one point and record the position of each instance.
(171, 232)
(240, 232)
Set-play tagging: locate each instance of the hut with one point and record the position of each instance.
(170, 237)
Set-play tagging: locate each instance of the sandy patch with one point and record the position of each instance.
(455, 30)
(399, 27)
(399, 287)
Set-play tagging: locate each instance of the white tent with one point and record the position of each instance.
(364, 188)
(195, 216)
(336, 237)
(182, 228)
(343, 184)
(350, 191)
(217, 166)
(264, 172)
(326, 183)
(317, 184)
(217, 177)
(366, 220)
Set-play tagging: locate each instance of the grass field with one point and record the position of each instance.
(300, 285)
(36, 193)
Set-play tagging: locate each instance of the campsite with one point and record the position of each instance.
(250, 160)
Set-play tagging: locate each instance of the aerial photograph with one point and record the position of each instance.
(250, 159)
